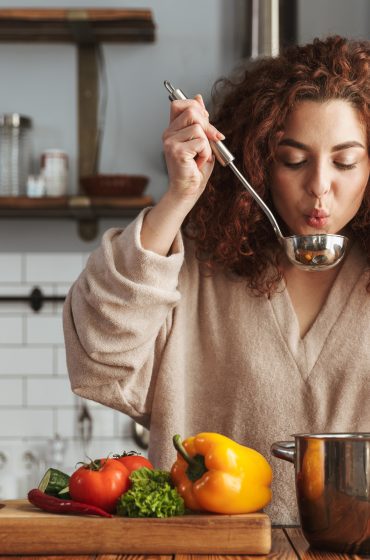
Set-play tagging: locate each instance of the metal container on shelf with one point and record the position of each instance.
(15, 153)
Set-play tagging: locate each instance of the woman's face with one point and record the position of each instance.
(322, 167)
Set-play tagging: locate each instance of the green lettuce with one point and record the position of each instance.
(151, 494)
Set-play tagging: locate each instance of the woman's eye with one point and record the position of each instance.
(294, 165)
(345, 166)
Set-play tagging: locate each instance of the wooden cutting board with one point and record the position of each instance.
(26, 530)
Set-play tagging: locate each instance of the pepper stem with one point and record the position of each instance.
(197, 467)
(181, 449)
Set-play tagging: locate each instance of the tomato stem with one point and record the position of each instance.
(94, 465)
(127, 454)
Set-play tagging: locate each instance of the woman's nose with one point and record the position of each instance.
(319, 182)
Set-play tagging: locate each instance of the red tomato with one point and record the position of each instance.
(100, 483)
(133, 461)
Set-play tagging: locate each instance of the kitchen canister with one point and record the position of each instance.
(15, 153)
(54, 169)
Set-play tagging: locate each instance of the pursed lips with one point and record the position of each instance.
(317, 218)
(317, 213)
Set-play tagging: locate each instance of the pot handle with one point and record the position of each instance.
(284, 450)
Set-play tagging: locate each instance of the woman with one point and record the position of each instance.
(192, 319)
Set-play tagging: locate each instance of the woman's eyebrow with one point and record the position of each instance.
(293, 144)
(301, 146)
(346, 145)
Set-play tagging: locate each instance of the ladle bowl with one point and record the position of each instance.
(320, 251)
(315, 252)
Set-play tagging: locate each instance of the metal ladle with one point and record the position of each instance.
(320, 251)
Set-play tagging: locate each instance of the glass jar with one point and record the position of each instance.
(15, 153)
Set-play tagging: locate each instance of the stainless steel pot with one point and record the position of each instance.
(332, 473)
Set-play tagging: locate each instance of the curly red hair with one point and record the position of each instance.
(228, 227)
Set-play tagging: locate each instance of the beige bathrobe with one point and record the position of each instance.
(183, 353)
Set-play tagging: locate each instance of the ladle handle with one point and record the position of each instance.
(258, 199)
(225, 158)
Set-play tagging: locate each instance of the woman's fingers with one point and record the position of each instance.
(190, 132)
(188, 143)
(185, 112)
(204, 161)
(199, 98)
(181, 105)
(187, 146)
(191, 116)
(190, 112)
(200, 150)
(184, 133)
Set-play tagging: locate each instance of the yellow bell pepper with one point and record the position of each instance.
(214, 473)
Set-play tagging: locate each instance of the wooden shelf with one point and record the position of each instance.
(69, 206)
(86, 28)
(82, 26)
(86, 210)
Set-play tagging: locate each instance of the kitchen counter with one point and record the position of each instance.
(29, 533)
(287, 544)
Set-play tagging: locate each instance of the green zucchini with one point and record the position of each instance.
(53, 482)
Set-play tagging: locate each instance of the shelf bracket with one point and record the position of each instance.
(88, 229)
(88, 86)
(87, 221)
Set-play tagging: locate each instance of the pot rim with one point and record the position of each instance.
(335, 436)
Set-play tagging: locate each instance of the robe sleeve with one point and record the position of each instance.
(117, 317)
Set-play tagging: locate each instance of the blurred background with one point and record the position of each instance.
(92, 106)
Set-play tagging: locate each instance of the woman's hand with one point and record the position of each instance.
(190, 163)
(187, 149)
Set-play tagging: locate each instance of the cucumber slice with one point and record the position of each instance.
(64, 493)
(53, 482)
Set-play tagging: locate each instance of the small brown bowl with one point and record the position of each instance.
(114, 185)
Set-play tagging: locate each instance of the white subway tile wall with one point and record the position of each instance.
(49, 267)
(11, 392)
(11, 267)
(11, 330)
(38, 411)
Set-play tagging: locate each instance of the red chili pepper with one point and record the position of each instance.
(57, 505)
